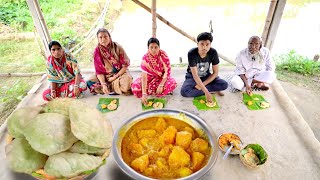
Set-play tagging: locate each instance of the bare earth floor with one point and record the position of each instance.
(294, 151)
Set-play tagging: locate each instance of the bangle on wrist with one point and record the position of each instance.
(76, 85)
(144, 93)
(103, 83)
(53, 90)
(161, 85)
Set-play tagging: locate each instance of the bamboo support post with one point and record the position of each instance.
(178, 29)
(154, 18)
(43, 23)
(268, 21)
(39, 24)
(165, 21)
(270, 34)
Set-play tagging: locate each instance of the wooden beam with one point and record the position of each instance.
(154, 18)
(272, 7)
(165, 21)
(21, 74)
(179, 30)
(275, 22)
(40, 24)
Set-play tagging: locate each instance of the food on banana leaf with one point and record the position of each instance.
(20, 118)
(264, 104)
(253, 155)
(158, 105)
(22, 158)
(68, 164)
(211, 104)
(89, 126)
(50, 133)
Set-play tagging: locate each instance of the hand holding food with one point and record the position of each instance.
(211, 104)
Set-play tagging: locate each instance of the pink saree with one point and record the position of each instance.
(155, 67)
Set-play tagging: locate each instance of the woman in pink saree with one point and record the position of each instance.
(156, 77)
(111, 65)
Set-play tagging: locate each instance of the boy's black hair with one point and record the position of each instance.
(204, 36)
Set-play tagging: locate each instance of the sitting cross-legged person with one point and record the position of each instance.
(199, 81)
(156, 74)
(111, 65)
(63, 74)
(254, 67)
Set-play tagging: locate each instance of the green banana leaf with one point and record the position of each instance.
(106, 101)
(199, 106)
(154, 100)
(256, 100)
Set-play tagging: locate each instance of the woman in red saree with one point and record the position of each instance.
(156, 77)
(63, 74)
(111, 65)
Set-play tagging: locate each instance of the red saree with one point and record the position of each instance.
(155, 67)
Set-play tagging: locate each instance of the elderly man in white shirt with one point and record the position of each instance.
(254, 67)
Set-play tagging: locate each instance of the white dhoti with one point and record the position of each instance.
(262, 76)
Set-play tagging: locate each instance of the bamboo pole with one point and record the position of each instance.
(21, 74)
(39, 25)
(178, 29)
(43, 23)
(275, 23)
(272, 7)
(165, 21)
(154, 18)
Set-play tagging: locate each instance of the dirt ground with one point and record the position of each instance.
(307, 102)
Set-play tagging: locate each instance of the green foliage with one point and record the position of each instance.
(296, 63)
(14, 93)
(15, 13)
(21, 56)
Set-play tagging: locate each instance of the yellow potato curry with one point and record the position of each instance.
(163, 147)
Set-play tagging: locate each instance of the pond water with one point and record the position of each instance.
(233, 22)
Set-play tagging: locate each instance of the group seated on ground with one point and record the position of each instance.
(254, 69)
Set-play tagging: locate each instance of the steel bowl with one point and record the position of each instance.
(195, 121)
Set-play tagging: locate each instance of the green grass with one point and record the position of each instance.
(64, 18)
(12, 91)
(15, 13)
(21, 56)
(294, 62)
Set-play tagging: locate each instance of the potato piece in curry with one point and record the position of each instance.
(164, 147)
